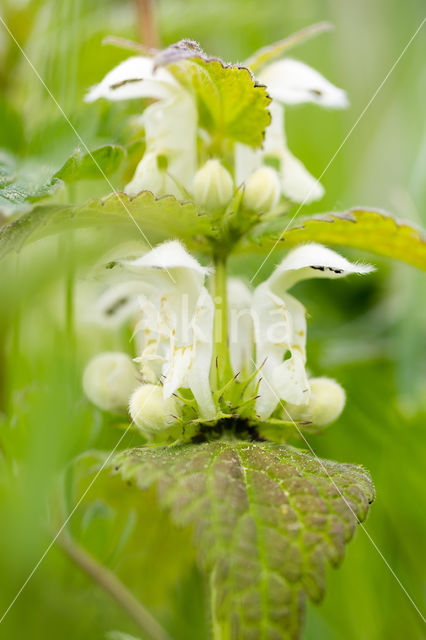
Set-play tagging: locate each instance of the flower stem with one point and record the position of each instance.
(147, 22)
(112, 585)
(221, 347)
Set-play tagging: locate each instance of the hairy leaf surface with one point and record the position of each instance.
(267, 519)
(152, 219)
(369, 230)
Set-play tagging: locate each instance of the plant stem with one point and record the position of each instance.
(112, 585)
(220, 333)
(147, 23)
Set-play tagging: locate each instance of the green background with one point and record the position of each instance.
(367, 333)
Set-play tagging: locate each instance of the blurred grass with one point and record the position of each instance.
(368, 333)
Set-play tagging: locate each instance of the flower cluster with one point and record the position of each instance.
(174, 330)
(175, 143)
(209, 349)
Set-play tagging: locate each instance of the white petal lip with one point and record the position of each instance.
(168, 255)
(316, 256)
(294, 82)
(134, 78)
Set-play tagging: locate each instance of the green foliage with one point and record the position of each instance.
(368, 230)
(267, 520)
(100, 162)
(152, 219)
(277, 49)
(231, 105)
(20, 185)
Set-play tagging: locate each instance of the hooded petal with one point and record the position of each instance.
(134, 78)
(294, 82)
(313, 261)
(178, 279)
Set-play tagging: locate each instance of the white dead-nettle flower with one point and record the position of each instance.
(266, 332)
(175, 333)
(109, 379)
(288, 82)
(280, 324)
(170, 123)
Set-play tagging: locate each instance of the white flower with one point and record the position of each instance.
(170, 124)
(266, 336)
(176, 328)
(288, 82)
(280, 325)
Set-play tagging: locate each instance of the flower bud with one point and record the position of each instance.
(262, 190)
(326, 403)
(149, 411)
(327, 400)
(109, 380)
(213, 185)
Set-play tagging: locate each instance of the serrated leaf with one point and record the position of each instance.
(152, 219)
(230, 103)
(277, 49)
(102, 161)
(365, 229)
(267, 519)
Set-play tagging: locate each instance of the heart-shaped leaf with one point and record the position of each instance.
(267, 519)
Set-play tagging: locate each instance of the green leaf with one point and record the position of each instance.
(365, 229)
(22, 185)
(230, 103)
(96, 164)
(267, 519)
(151, 219)
(277, 49)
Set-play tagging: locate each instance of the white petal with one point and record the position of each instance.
(275, 138)
(118, 304)
(148, 176)
(293, 82)
(296, 182)
(240, 326)
(313, 261)
(199, 374)
(134, 78)
(168, 255)
(247, 160)
(290, 380)
(189, 366)
(273, 336)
